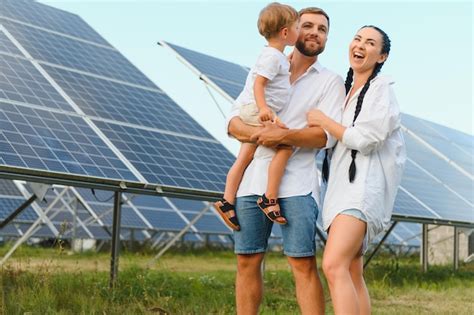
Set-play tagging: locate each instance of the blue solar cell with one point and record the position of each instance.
(232, 89)
(7, 188)
(163, 220)
(50, 18)
(437, 167)
(213, 67)
(435, 195)
(188, 205)
(60, 50)
(425, 127)
(21, 82)
(124, 103)
(7, 46)
(208, 223)
(10, 230)
(455, 145)
(407, 206)
(172, 160)
(24, 128)
(9, 205)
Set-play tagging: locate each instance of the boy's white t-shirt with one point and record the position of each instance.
(273, 65)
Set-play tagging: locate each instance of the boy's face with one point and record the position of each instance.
(293, 33)
(313, 34)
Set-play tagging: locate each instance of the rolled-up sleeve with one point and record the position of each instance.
(331, 105)
(378, 118)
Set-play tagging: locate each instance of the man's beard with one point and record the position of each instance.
(307, 51)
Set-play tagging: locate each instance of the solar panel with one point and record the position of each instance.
(43, 140)
(431, 188)
(59, 50)
(229, 76)
(42, 16)
(70, 103)
(455, 145)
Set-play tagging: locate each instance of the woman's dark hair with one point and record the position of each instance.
(360, 99)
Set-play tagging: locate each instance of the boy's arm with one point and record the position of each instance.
(264, 112)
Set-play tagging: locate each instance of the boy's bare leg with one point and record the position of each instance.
(234, 176)
(276, 171)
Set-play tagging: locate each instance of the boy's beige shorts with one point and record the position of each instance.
(249, 114)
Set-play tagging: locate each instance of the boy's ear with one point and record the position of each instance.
(285, 32)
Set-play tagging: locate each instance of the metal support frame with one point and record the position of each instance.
(30, 231)
(180, 234)
(114, 261)
(15, 213)
(424, 248)
(366, 263)
(456, 249)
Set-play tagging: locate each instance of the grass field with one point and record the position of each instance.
(52, 281)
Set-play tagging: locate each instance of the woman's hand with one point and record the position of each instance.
(316, 118)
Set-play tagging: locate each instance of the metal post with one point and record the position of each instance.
(380, 243)
(17, 211)
(456, 249)
(424, 248)
(115, 238)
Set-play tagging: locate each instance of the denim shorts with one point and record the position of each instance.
(298, 234)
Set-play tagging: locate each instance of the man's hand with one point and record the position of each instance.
(270, 136)
(316, 118)
(265, 114)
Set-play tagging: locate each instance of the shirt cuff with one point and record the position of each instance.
(330, 140)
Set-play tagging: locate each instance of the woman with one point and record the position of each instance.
(365, 171)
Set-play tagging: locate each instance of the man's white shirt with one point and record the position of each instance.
(317, 88)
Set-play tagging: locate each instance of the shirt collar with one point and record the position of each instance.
(317, 66)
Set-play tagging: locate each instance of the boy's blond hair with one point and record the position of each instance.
(274, 17)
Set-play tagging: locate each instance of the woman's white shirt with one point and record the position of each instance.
(377, 136)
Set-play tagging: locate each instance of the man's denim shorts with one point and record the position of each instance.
(298, 234)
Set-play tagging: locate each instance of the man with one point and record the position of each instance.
(313, 86)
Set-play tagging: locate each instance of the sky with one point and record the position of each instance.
(430, 61)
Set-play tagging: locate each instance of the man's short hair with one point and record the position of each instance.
(314, 10)
(274, 17)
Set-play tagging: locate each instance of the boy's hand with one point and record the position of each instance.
(316, 118)
(279, 123)
(265, 114)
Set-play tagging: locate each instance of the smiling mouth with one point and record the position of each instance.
(358, 55)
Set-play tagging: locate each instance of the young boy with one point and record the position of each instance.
(265, 93)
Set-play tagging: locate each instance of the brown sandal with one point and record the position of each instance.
(271, 208)
(227, 212)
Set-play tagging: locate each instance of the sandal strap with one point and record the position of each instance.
(226, 206)
(269, 202)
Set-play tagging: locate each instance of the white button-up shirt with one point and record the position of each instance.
(317, 88)
(377, 136)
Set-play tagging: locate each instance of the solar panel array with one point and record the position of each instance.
(71, 104)
(432, 188)
(81, 214)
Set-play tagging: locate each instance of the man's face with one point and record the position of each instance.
(313, 34)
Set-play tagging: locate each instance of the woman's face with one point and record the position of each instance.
(365, 50)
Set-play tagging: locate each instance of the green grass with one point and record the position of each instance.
(50, 281)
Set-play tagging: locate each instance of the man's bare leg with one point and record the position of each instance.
(309, 291)
(249, 283)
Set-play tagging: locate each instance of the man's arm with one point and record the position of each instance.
(272, 135)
